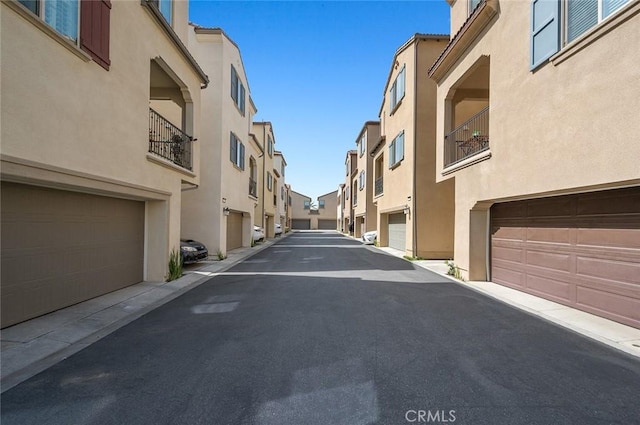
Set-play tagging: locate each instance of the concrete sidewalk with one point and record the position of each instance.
(33, 346)
(614, 334)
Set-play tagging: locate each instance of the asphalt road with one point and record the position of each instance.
(319, 329)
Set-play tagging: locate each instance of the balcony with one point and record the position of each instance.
(168, 141)
(379, 186)
(471, 138)
(253, 188)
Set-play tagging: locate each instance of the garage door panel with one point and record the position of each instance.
(549, 260)
(582, 249)
(301, 224)
(326, 224)
(559, 290)
(609, 304)
(398, 231)
(550, 235)
(610, 270)
(616, 238)
(234, 231)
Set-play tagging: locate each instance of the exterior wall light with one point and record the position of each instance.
(225, 211)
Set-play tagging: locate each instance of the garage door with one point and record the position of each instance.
(327, 224)
(60, 248)
(580, 250)
(398, 231)
(234, 231)
(301, 224)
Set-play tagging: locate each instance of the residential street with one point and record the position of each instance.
(320, 329)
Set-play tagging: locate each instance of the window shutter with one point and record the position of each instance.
(234, 84)
(392, 154)
(400, 147)
(241, 156)
(233, 149)
(241, 99)
(545, 30)
(581, 15)
(94, 30)
(400, 87)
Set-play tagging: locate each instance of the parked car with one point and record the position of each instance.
(370, 238)
(258, 233)
(192, 251)
(278, 229)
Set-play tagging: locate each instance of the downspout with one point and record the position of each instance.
(414, 216)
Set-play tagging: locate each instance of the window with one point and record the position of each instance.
(237, 90)
(361, 181)
(307, 205)
(355, 195)
(269, 145)
(165, 8)
(472, 5)
(321, 203)
(68, 17)
(363, 143)
(269, 181)
(555, 23)
(282, 193)
(346, 193)
(236, 149)
(289, 200)
(397, 90)
(282, 168)
(396, 150)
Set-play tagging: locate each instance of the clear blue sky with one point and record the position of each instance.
(317, 70)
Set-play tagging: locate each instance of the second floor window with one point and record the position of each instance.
(397, 90)
(307, 205)
(85, 23)
(236, 149)
(165, 8)
(237, 90)
(396, 150)
(361, 180)
(269, 146)
(321, 203)
(269, 181)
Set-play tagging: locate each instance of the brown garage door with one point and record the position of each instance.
(326, 224)
(579, 250)
(234, 231)
(300, 224)
(60, 248)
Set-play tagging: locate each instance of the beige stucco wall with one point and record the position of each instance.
(222, 183)
(69, 123)
(572, 125)
(297, 206)
(366, 210)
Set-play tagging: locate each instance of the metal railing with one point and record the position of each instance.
(253, 188)
(379, 186)
(467, 140)
(168, 141)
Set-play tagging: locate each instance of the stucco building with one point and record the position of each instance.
(538, 130)
(98, 129)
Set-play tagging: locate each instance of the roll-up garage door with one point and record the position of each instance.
(301, 224)
(580, 250)
(60, 248)
(398, 231)
(234, 231)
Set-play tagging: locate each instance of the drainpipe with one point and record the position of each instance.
(414, 217)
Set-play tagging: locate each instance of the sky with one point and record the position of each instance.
(317, 71)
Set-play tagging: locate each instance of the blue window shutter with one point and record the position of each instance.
(581, 15)
(400, 87)
(241, 156)
(241, 99)
(400, 147)
(545, 30)
(391, 154)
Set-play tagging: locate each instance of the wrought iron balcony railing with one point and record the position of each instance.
(253, 188)
(467, 140)
(379, 186)
(168, 141)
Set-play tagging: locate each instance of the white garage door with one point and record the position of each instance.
(398, 231)
(60, 248)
